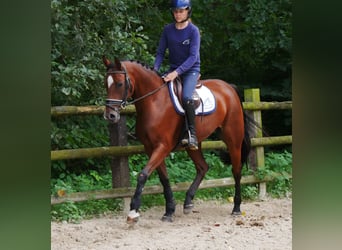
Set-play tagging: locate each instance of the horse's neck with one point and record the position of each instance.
(146, 82)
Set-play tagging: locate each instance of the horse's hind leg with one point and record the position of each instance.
(236, 169)
(201, 169)
(170, 205)
(234, 148)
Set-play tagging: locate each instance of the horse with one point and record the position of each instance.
(159, 128)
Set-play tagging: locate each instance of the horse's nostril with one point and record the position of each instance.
(113, 116)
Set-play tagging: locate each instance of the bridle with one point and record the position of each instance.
(123, 102)
(117, 102)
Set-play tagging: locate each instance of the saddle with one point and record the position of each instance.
(178, 89)
(204, 100)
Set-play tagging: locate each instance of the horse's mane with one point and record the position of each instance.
(144, 65)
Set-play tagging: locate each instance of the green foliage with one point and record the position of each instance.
(74, 212)
(180, 169)
(255, 37)
(247, 43)
(89, 180)
(68, 211)
(280, 167)
(79, 132)
(83, 31)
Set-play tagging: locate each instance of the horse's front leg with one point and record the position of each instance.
(133, 214)
(157, 157)
(201, 169)
(170, 205)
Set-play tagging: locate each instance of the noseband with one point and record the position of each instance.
(123, 102)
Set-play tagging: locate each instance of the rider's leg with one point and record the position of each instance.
(189, 83)
(190, 116)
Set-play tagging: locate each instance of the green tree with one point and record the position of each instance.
(247, 43)
(81, 32)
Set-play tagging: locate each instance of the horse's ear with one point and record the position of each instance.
(105, 61)
(118, 64)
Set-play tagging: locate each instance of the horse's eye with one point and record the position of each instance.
(119, 84)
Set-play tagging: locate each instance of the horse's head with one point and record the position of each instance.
(118, 86)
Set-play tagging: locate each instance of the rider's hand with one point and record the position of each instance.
(171, 76)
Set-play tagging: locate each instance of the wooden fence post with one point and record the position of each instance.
(119, 164)
(256, 157)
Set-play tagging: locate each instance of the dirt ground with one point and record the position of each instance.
(263, 225)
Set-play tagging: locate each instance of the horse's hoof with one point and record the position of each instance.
(132, 220)
(167, 218)
(133, 217)
(236, 213)
(188, 208)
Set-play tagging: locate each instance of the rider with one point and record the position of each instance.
(182, 39)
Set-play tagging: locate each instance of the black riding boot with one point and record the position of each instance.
(191, 139)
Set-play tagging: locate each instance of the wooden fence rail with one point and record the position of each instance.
(130, 109)
(157, 189)
(253, 104)
(66, 154)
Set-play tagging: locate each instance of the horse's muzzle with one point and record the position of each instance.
(112, 116)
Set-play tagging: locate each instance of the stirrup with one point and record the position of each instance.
(193, 144)
(185, 141)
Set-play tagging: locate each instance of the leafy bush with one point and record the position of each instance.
(280, 167)
(83, 31)
(89, 180)
(79, 132)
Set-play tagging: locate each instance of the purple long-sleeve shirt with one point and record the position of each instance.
(183, 46)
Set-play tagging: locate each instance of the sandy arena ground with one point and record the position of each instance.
(263, 225)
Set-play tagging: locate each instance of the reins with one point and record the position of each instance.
(148, 94)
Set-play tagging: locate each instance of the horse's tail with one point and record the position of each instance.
(249, 122)
(249, 125)
(246, 144)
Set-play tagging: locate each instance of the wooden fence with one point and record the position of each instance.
(120, 170)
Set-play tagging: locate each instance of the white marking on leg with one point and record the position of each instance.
(133, 214)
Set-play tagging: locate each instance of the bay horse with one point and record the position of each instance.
(159, 126)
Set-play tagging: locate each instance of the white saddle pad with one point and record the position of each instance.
(207, 105)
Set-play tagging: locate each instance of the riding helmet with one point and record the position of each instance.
(181, 4)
